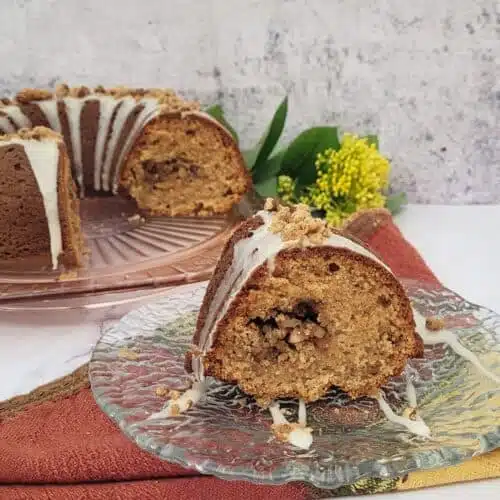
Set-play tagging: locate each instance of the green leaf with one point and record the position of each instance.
(217, 113)
(270, 168)
(267, 188)
(300, 157)
(263, 149)
(395, 202)
(372, 139)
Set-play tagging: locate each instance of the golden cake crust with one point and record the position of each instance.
(244, 230)
(318, 315)
(185, 163)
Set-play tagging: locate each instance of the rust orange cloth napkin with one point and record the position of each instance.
(55, 443)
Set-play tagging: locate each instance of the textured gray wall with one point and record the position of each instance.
(424, 74)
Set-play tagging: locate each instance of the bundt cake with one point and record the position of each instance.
(150, 145)
(294, 308)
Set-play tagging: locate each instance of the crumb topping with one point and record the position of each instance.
(271, 205)
(168, 100)
(174, 395)
(68, 275)
(298, 227)
(434, 324)
(34, 134)
(81, 91)
(136, 219)
(196, 351)
(162, 391)
(410, 413)
(174, 410)
(62, 90)
(283, 431)
(27, 95)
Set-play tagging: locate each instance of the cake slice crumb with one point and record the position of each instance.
(293, 433)
(434, 324)
(125, 353)
(162, 391)
(297, 227)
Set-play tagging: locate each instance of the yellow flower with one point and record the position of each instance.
(348, 180)
(286, 187)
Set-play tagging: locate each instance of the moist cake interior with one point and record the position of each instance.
(313, 324)
(181, 166)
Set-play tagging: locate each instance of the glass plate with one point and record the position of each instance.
(228, 436)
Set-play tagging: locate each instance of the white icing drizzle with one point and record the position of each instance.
(43, 157)
(20, 119)
(183, 402)
(416, 426)
(300, 435)
(6, 125)
(302, 417)
(129, 103)
(451, 339)
(149, 112)
(411, 393)
(107, 105)
(277, 414)
(49, 109)
(249, 254)
(74, 107)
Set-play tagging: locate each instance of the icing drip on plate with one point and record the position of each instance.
(411, 393)
(449, 338)
(297, 434)
(176, 406)
(416, 426)
(413, 422)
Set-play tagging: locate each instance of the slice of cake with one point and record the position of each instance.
(39, 205)
(294, 308)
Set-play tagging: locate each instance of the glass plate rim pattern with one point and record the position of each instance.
(343, 475)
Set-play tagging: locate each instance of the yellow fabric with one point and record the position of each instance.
(482, 467)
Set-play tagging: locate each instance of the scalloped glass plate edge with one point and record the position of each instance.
(332, 476)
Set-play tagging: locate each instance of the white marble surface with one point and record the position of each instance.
(461, 244)
(424, 74)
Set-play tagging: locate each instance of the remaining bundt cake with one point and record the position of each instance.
(151, 145)
(294, 308)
